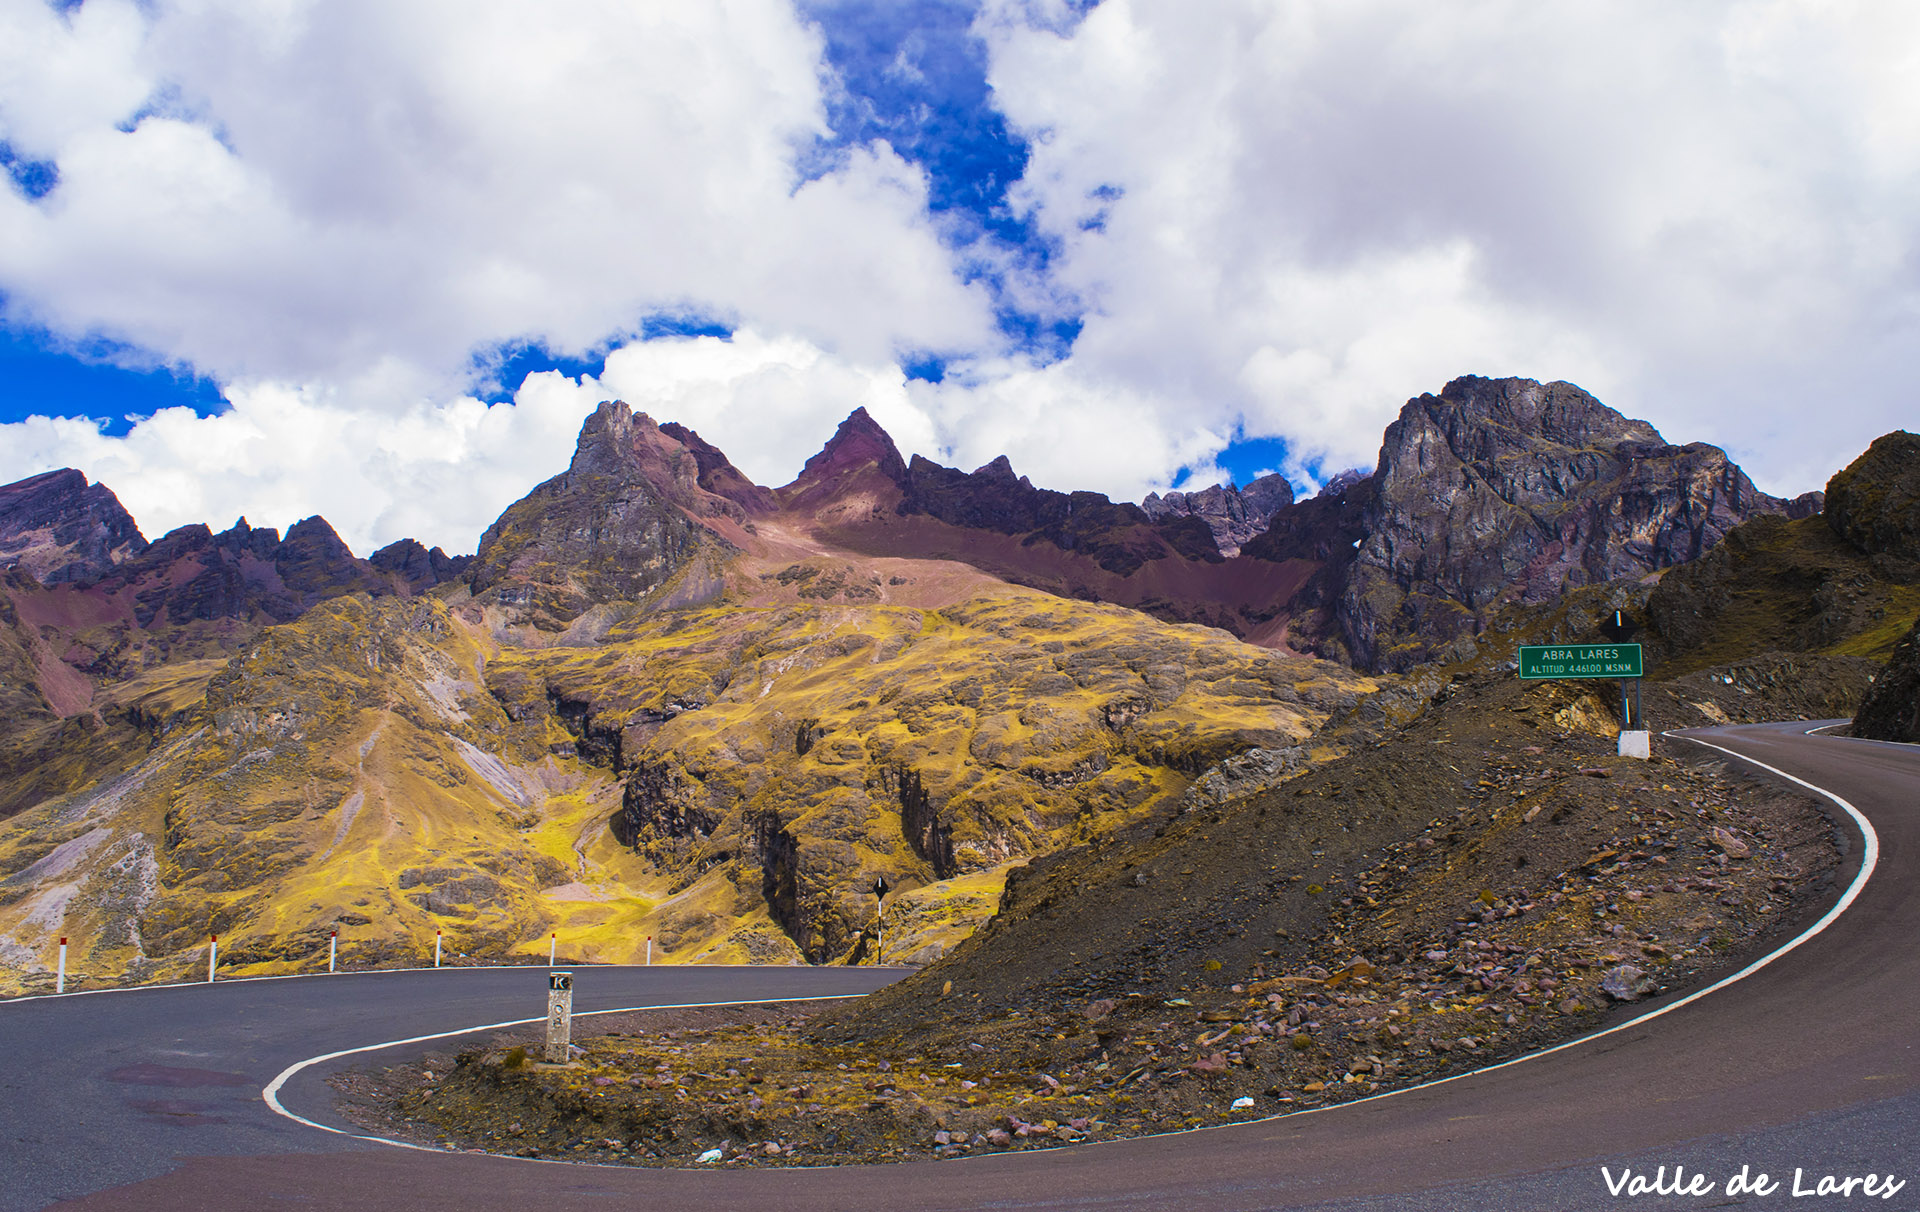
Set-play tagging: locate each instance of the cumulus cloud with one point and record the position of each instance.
(442, 472)
(300, 191)
(1272, 220)
(1301, 214)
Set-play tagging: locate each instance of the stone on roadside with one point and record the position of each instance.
(1730, 845)
(1626, 983)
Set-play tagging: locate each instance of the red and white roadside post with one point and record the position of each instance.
(649, 950)
(436, 948)
(213, 955)
(333, 948)
(553, 945)
(60, 974)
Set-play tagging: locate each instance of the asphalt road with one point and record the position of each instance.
(152, 1099)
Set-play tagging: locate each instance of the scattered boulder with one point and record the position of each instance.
(1626, 983)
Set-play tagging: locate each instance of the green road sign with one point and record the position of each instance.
(1580, 661)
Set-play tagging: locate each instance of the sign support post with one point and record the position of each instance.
(880, 889)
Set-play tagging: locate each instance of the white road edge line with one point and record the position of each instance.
(1870, 858)
(271, 1094)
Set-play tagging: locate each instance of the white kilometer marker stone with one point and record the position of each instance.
(559, 1016)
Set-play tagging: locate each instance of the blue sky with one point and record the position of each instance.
(378, 261)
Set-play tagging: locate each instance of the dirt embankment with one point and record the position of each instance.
(1483, 882)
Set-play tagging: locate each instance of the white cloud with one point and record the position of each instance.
(438, 472)
(1703, 213)
(1282, 217)
(309, 189)
(442, 472)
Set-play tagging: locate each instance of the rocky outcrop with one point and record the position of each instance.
(1499, 491)
(858, 470)
(1891, 711)
(243, 573)
(419, 568)
(1321, 535)
(1118, 537)
(621, 520)
(718, 475)
(1234, 515)
(1874, 502)
(1833, 583)
(57, 528)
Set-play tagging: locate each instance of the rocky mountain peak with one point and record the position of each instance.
(58, 528)
(718, 475)
(626, 514)
(1234, 515)
(859, 459)
(1480, 417)
(1496, 491)
(418, 567)
(1000, 470)
(1874, 502)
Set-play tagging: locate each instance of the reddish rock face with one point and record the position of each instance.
(859, 461)
(719, 476)
(243, 573)
(58, 529)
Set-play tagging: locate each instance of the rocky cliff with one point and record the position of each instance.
(1874, 503)
(1891, 711)
(57, 528)
(417, 567)
(627, 514)
(1234, 515)
(1839, 583)
(1508, 490)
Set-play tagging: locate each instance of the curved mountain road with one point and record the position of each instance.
(151, 1099)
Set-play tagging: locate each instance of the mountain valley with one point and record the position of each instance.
(664, 711)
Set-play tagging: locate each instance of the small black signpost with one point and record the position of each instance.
(1618, 659)
(880, 889)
